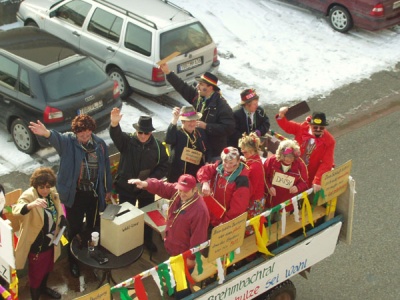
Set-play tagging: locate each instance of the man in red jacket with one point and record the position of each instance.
(317, 145)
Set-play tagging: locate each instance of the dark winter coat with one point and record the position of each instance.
(260, 119)
(178, 140)
(137, 157)
(217, 113)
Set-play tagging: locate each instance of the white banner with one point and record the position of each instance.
(262, 278)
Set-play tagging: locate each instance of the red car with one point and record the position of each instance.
(366, 14)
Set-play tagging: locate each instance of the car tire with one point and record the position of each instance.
(284, 291)
(31, 23)
(23, 137)
(124, 88)
(340, 19)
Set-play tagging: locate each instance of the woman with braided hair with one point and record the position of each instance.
(250, 145)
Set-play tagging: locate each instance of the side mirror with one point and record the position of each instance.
(53, 14)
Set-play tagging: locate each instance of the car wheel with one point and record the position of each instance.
(31, 23)
(124, 88)
(23, 137)
(340, 19)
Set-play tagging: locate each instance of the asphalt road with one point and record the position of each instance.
(368, 268)
(365, 118)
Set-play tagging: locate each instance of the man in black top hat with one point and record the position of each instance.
(317, 145)
(249, 117)
(142, 156)
(217, 117)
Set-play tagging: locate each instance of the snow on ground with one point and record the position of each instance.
(285, 52)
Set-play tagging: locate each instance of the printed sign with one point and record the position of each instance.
(191, 156)
(102, 293)
(282, 180)
(227, 237)
(334, 183)
(278, 269)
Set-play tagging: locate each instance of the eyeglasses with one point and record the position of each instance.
(318, 127)
(145, 133)
(42, 187)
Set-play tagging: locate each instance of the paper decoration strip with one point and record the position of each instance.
(296, 210)
(178, 270)
(186, 255)
(306, 207)
(139, 288)
(220, 269)
(157, 280)
(283, 221)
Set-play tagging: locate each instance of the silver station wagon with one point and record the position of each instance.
(129, 38)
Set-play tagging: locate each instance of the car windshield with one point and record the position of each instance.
(184, 39)
(73, 79)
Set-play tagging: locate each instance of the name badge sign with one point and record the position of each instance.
(282, 180)
(191, 156)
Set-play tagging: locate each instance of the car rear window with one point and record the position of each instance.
(73, 79)
(184, 39)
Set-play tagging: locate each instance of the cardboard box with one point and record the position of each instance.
(124, 232)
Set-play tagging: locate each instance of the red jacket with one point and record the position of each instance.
(232, 193)
(256, 177)
(298, 170)
(186, 229)
(321, 159)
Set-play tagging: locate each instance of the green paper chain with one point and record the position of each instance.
(199, 263)
(123, 293)
(163, 272)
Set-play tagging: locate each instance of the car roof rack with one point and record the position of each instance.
(138, 17)
(177, 7)
(128, 13)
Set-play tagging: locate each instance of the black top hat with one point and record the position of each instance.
(319, 118)
(144, 124)
(209, 78)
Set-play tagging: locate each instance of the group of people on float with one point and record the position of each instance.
(215, 149)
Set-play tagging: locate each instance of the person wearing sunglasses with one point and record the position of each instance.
(317, 145)
(142, 156)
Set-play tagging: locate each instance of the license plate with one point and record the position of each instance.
(396, 5)
(190, 64)
(87, 109)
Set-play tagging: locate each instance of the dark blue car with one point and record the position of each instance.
(44, 78)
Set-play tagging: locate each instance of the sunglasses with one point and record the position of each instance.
(318, 127)
(145, 133)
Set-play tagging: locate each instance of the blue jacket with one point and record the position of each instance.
(71, 157)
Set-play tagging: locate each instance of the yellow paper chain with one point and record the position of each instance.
(178, 269)
(306, 206)
(262, 240)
